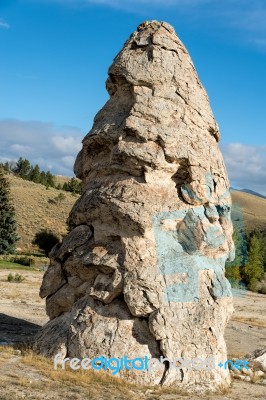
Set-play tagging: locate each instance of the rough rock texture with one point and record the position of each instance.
(256, 372)
(142, 270)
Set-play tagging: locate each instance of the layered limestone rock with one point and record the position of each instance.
(141, 272)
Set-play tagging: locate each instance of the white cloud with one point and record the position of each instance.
(246, 165)
(66, 145)
(53, 148)
(4, 24)
(20, 149)
(68, 161)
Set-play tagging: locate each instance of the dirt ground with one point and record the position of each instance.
(22, 312)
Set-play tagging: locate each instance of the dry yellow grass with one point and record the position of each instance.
(250, 321)
(60, 179)
(29, 365)
(69, 376)
(6, 352)
(253, 209)
(36, 210)
(28, 375)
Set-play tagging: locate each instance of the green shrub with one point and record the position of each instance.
(262, 290)
(10, 277)
(61, 197)
(15, 278)
(46, 240)
(26, 261)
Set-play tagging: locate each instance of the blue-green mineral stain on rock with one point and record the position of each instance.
(177, 253)
(179, 250)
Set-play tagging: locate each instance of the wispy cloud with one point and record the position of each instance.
(4, 24)
(66, 145)
(246, 166)
(53, 148)
(246, 18)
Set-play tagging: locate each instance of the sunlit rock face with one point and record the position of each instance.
(141, 272)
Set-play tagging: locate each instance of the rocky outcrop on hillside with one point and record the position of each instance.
(141, 272)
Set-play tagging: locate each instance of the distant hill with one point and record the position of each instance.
(252, 192)
(61, 179)
(253, 209)
(37, 208)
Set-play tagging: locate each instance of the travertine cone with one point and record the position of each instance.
(142, 270)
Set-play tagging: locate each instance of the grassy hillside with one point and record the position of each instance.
(37, 208)
(60, 179)
(253, 209)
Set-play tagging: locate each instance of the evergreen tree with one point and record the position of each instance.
(23, 168)
(74, 186)
(262, 239)
(34, 175)
(18, 166)
(50, 181)
(8, 235)
(43, 180)
(263, 247)
(6, 166)
(253, 270)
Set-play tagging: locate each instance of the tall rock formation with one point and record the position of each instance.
(141, 272)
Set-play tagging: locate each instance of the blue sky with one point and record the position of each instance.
(54, 60)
